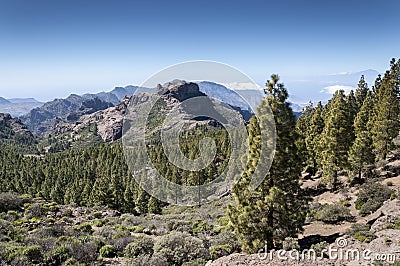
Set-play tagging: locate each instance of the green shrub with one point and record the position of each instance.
(319, 247)
(10, 201)
(107, 251)
(11, 251)
(68, 213)
(196, 262)
(388, 241)
(97, 215)
(364, 236)
(72, 262)
(290, 243)
(395, 224)
(148, 260)
(33, 253)
(179, 247)
(219, 251)
(136, 228)
(100, 222)
(57, 256)
(36, 210)
(200, 226)
(333, 213)
(371, 197)
(139, 246)
(361, 232)
(85, 228)
(84, 251)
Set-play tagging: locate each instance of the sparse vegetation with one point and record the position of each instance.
(334, 213)
(371, 197)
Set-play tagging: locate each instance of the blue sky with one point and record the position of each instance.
(52, 48)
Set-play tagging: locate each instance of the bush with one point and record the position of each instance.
(179, 247)
(36, 210)
(57, 256)
(85, 228)
(226, 237)
(107, 251)
(219, 251)
(72, 262)
(100, 222)
(290, 243)
(196, 262)
(319, 247)
(333, 213)
(395, 224)
(85, 252)
(33, 253)
(147, 260)
(9, 201)
(371, 197)
(139, 246)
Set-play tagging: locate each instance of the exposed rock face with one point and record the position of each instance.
(45, 118)
(89, 107)
(14, 124)
(108, 122)
(181, 90)
(110, 126)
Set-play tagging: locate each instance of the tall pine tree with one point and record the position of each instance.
(336, 139)
(276, 209)
(384, 122)
(360, 153)
(313, 136)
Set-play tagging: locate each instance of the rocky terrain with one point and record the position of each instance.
(41, 120)
(19, 106)
(377, 231)
(13, 125)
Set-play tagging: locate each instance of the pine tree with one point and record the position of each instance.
(336, 139)
(276, 209)
(352, 109)
(361, 92)
(384, 122)
(360, 153)
(302, 128)
(313, 136)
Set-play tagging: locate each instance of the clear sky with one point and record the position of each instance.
(51, 48)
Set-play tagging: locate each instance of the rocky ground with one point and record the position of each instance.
(382, 225)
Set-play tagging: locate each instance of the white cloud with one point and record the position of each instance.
(242, 86)
(334, 88)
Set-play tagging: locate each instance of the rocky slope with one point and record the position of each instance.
(12, 126)
(41, 120)
(383, 249)
(109, 121)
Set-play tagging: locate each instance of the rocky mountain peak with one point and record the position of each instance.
(180, 90)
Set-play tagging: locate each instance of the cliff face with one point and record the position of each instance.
(108, 122)
(13, 125)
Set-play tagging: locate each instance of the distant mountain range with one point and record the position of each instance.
(18, 106)
(42, 117)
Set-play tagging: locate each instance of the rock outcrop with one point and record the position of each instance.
(14, 125)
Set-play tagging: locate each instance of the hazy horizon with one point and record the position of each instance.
(51, 49)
